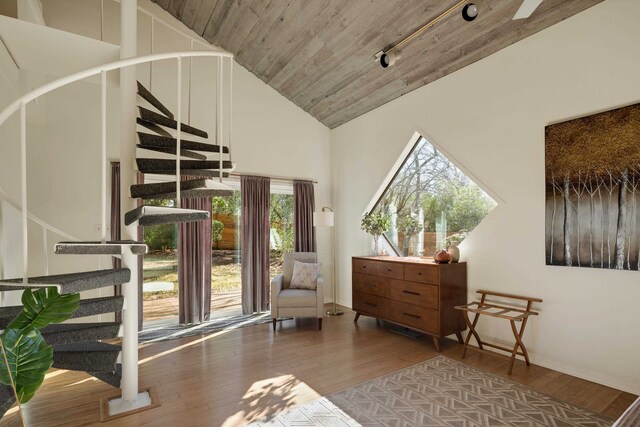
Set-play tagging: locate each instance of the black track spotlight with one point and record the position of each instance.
(469, 12)
(388, 59)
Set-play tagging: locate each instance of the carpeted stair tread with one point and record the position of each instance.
(149, 190)
(99, 248)
(67, 333)
(153, 127)
(209, 173)
(153, 215)
(72, 282)
(168, 141)
(92, 356)
(153, 117)
(189, 194)
(146, 165)
(88, 307)
(148, 96)
(183, 152)
(112, 378)
(7, 398)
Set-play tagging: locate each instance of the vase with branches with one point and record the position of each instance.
(409, 226)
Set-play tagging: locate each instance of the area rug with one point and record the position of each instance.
(444, 392)
(438, 392)
(171, 332)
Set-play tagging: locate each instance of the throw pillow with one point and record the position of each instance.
(305, 275)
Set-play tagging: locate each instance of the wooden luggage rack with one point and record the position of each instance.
(512, 314)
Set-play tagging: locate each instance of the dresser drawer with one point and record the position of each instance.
(371, 304)
(390, 270)
(414, 293)
(364, 266)
(421, 273)
(415, 316)
(368, 284)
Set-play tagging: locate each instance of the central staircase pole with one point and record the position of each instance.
(131, 400)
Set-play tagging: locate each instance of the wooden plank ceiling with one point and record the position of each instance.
(319, 53)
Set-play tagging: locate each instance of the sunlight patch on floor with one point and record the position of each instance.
(271, 396)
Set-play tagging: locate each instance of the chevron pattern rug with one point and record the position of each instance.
(439, 392)
(443, 392)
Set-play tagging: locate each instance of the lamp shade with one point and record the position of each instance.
(323, 219)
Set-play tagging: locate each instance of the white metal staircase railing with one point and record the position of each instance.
(46, 227)
(130, 317)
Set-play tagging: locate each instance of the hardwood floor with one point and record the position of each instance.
(230, 378)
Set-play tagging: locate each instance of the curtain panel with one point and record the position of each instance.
(194, 264)
(304, 206)
(255, 193)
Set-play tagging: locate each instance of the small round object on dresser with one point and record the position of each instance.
(442, 257)
(454, 251)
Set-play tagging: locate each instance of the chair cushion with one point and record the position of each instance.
(297, 298)
(289, 258)
(305, 275)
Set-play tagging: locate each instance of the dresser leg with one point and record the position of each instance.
(459, 336)
(436, 343)
(357, 317)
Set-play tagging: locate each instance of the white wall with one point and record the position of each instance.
(63, 134)
(271, 135)
(490, 117)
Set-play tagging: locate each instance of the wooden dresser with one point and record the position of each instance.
(415, 293)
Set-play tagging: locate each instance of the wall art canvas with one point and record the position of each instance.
(593, 190)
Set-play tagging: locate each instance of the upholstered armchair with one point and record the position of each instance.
(286, 302)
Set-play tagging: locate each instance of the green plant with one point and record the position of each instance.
(216, 231)
(375, 223)
(26, 355)
(456, 238)
(409, 225)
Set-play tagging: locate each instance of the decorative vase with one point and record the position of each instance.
(454, 251)
(442, 257)
(376, 246)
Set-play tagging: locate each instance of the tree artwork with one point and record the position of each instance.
(592, 190)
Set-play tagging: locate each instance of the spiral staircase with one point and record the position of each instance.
(81, 346)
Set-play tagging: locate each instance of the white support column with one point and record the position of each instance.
(131, 399)
(23, 189)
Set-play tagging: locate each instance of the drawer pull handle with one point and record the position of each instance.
(388, 269)
(411, 315)
(370, 304)
(412, 293)
(419, 274)
(369, 285)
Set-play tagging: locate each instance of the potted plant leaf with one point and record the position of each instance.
(375, 224)
(26, 357)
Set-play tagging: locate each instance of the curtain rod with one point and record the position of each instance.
(273, 177)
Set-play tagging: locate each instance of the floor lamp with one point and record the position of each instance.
(325, 218)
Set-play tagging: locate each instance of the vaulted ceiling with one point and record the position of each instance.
(319, 53)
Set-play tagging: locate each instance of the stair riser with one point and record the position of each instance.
(145, 190)
(190, 194)
(152, 215)
(153, 127)
(97, 332)
(207, 173)
(99, 306)
(151, 99)
(167, 153)
(149, 140)
(159, 119)
(75, 282)
(152, 165)
(97, 248)
(101, 361)
(7, 399)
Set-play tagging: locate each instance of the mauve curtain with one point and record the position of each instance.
(255, 192)
(116, 233)
(115, 222)
(194, 264)
(304, 206)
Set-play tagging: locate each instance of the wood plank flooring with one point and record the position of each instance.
(227, 379)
